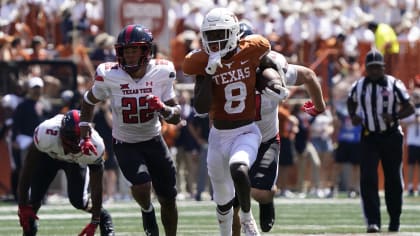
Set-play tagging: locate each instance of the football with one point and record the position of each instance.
(274, 81)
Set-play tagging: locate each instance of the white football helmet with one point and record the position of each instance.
(220, 19)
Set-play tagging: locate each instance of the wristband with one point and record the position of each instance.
(84, 124)
(86, 99)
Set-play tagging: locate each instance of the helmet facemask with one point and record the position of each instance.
(219, 41)
(144, 56)
(71, 143)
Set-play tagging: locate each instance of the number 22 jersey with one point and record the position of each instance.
(132, 119)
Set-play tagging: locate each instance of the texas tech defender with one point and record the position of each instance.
(55, 147)
(225, 75)
(141, 92)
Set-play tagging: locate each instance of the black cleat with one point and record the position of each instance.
(105, 225)
(372, 228)
(33, 228)
(149, 223)
(267, 216)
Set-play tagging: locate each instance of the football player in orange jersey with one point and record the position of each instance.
(141, 92)
(225, 76)
(264, 172)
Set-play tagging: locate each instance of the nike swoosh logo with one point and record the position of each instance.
(244, 62)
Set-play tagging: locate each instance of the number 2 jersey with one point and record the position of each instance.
(132, 120)
(47, 139)
(233, 91)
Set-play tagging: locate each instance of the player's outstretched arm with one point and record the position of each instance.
(26, 175)
(307, 77)
(27, 212)
(96, 174)
(86, 116)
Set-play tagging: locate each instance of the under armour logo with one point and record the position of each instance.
(99, 78)
(124, 86)
(149, 83)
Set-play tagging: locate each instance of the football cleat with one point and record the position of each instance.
(33, 224)
(267, 216)
(249, 227)
(106, 226)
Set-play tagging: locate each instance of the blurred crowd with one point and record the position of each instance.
(299, 29)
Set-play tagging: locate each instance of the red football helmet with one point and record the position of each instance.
(134, 36)
(70, 131)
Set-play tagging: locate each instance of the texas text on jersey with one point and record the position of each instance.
(234, 83)
(131, 114)
(46, 139)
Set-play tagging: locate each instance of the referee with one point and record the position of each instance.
(378, 101)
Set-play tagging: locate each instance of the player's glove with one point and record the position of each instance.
(309, 108)
(26, 213)
(86, 146)
(283, 94)
(90, 229)
(155, 103)
(213, 62)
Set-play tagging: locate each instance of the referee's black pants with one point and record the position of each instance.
(386, 148)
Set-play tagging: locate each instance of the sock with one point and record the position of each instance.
(245, 215)
(150, 209)
(225, 221)
(149, 221)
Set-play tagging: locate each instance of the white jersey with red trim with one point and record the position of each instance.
(47, 139)
(267, 109)
(132, 120)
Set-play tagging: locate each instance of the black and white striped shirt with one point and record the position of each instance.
(374, 99)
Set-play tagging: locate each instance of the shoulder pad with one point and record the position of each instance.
(258, 41)
(103, 68)
(195, 63)
(279, 60)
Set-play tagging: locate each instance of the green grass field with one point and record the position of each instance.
(293, 217)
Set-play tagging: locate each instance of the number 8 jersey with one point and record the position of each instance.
(233, 95)
(132, 120)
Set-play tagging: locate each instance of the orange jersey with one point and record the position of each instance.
(233, 94)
